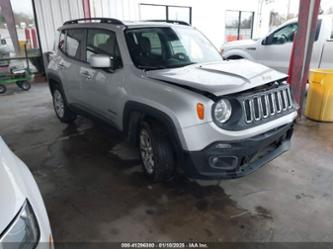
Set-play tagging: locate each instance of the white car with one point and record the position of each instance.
(23, 218)
(274, 50)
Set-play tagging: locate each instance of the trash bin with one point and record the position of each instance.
(319, 104)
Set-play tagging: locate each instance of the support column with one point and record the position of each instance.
(8, 14)
(86, 8)
(302, 48)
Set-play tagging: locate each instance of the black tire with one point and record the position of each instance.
(3, 89)
(163, 154)
(61, 108)
(24, 85)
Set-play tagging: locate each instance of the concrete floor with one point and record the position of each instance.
(94, 189)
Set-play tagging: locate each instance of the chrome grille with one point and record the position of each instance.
(267, 104)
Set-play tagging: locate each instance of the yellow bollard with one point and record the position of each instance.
(319, 104)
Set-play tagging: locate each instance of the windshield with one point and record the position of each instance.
(169, 47)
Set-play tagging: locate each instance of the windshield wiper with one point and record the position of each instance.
(151, 67)
(183, 65)
(164, 67)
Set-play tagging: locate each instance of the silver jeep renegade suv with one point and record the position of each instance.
(165, 86)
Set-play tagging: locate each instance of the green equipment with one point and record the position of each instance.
(21, 77)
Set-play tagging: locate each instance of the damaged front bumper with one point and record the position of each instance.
(225, 160)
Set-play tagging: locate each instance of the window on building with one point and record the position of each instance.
(74, 40)
(239, 25)
(179, 14)
(165, 12)
(102, 42)
(152, 12)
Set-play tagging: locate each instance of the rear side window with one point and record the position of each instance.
(74, 43)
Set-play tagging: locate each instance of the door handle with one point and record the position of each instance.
(86, 75)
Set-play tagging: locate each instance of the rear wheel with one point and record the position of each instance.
(3, 89)
(156, 152)
(24, 85)
(60, 106)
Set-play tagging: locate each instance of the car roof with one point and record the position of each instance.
(128, 24)
(148, 24)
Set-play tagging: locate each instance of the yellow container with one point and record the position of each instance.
(319, 104)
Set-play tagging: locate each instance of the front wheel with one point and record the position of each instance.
(156, 152)
(24, 85)
(60, 106)
(3, 89)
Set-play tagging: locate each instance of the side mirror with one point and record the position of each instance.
(266, 41)
(101, 61)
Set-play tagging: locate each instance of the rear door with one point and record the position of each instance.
(69, 63)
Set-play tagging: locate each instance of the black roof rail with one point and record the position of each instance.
(100, 19)
(170, 21)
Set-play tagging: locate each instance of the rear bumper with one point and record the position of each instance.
(225, 160)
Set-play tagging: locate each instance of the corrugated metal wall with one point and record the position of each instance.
(121, 9)
(51, 14)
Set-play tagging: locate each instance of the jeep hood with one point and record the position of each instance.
(219, 78)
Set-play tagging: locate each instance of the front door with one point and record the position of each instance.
(275, 50)
(102, 89)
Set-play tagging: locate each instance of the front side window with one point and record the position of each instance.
(285, 34)
(154, 39)
(74, 43)
(102, 42)
(168, 47)
(288, 32)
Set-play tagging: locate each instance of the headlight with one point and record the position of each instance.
(23, 232)
(222, 111)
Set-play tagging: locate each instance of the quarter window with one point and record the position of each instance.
(61, 44)
(74, 42)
